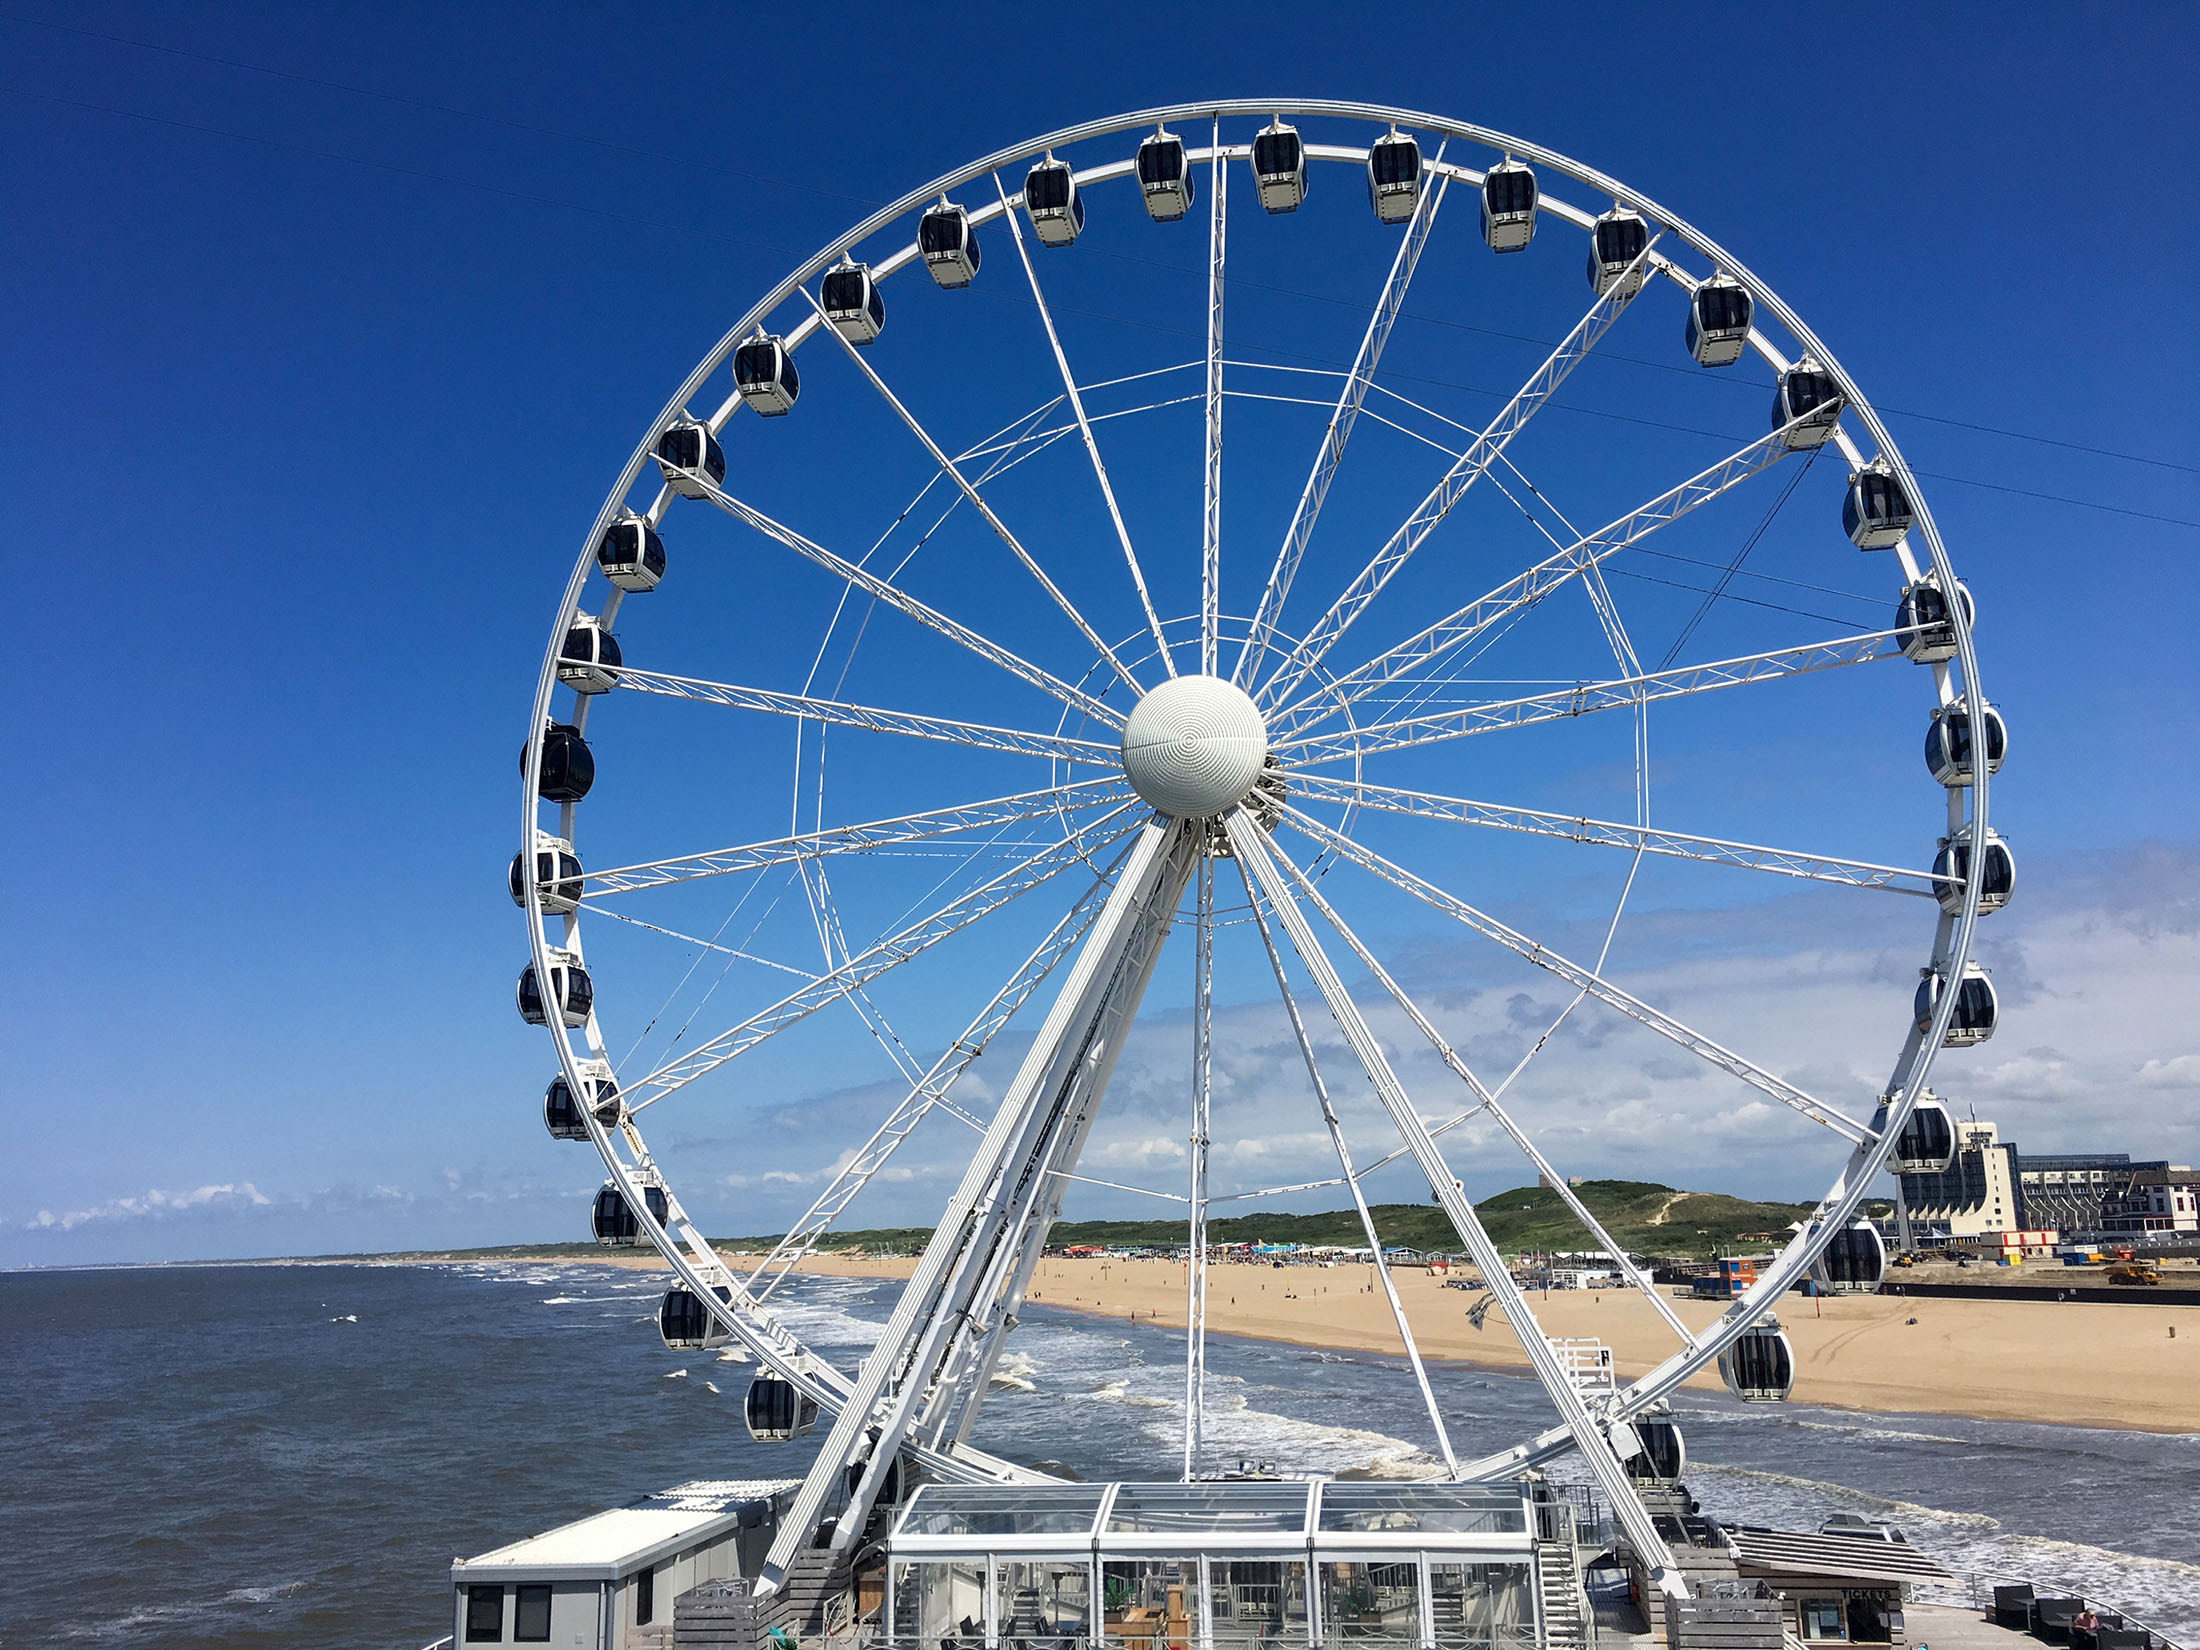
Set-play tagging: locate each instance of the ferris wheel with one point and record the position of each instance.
(1051, 694)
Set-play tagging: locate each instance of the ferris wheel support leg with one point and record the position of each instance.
(1079, 1038)
(1252, 852)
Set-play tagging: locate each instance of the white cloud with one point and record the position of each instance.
(2180, 1071)
(154, 1204)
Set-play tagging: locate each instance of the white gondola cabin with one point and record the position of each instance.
(570, 988)
(1808, 398)
(588, 656)
(853, 306)
(1929, 632)
(1976, 1006)
(557, 875)
(1394, 177)
(1719, 313)
(1660, 1455)
(1165, 176)
(561, 1114)
(631, 554)
(1951, 754)
(764, 374)
(568, 766)
(1279, 167)
(1759, 1368)
(1051, 198)
(1852, 1262)
(1927, 1143)
(690, 459)
(775, 1409)
(1877, 513)
(685, 1323)
(949, 245)
(1616, 240)
(1508, 205)
(611, 1217)
(1952, 872)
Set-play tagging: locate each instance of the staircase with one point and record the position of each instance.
(1562, 1607)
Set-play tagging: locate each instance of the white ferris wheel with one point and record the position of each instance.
(1079, 695)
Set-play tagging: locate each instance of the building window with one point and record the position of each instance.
(531, 1616)
(1822, 1618)
(485, 1615)
(645, 1598)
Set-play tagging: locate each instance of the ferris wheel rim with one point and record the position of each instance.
(1913, 1067)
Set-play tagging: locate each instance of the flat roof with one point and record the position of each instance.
(610, 1545)
(1860, 1557)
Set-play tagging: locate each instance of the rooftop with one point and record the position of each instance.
(611, 1544)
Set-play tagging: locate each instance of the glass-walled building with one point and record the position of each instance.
(1242, 1565)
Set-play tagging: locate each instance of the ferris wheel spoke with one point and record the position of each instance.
(931, 1091)
(1442, 639)
(1210, 534)
(1589, 697)
(1711, 850)
(1531, 397)
(868, 965)
(1084, 430)
(1195, 1249)
(1485, 1100)
(1345, 1172)
(1777, 1088)
(1055, 747)
(851, 839)
(1596, 1450)
(900, 600)
(1388, 303)
(1000, 529)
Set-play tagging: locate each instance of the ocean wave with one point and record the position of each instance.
(1841, 1492)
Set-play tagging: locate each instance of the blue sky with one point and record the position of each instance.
(333, 328)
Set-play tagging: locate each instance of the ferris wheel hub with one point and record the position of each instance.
(1194, 745)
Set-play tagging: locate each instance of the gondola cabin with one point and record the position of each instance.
(1928, 628)
(1808, 398)
(631, 554)
(557, 875)
(570, 988)
(1951, 745)
(949, 245)
(1394, 177)
(1719, 313)
(1051, 198)
(568, 766)
(1165, 177)
(562, 1115)
(588, 656)
(1952, 872)
(1660, 1455)
(1876, 514)
(1976, 1007)
(852, 303)
(775, 1409)
(1508, 206)
(1852, 1262)
(686, 1324)
(690, 459)
(611, 1218)
(1279, 167)
(1616, 240)
(1927, 1143)
(1759, 1367)
(764, 374)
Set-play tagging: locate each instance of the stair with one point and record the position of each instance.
(1562, 1606)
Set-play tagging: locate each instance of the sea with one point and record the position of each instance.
(293, 1454)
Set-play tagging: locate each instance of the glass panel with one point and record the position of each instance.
(1458, 1509)
(1821, 1618)
(942, 1605)
(1047, 189)
(485, 1615)
(1151, 1604)
(1256, 1604)
(1397, 162)
(940, 232)
(1042, 1604)
(979, 1509)
(531, 1616)
(1160, 161)
(1203, 1509)
(1276, 153)
(1478, 1604)
(843, 290)
(1509, 192)
(1372, 1603)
